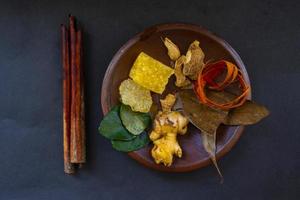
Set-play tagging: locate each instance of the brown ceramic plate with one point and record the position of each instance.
(149, 41)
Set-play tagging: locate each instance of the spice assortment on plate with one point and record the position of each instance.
(207, 95)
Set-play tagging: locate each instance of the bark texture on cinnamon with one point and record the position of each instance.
(82, 97)
(77, 152)
(73, 98)
(82, 112)
(68, 166)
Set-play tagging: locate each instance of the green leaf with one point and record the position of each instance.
(132, 145)
(134, 122)
(111, 126)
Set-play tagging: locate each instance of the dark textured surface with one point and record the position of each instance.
(263, 165)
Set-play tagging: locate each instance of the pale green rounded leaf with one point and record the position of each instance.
(134, 122)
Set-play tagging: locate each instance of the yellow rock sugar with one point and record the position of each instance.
(150, 73)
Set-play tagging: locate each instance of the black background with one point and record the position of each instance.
(263, 165)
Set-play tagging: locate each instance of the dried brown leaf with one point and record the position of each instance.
(208, 119)
(247, 114)
(203, 117)
(194, 62)
(173, 50)
(220, 96)
(209, 143)
(181, 80)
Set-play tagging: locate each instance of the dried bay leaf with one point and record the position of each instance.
(173, 50)
(203, 117)
(220, 96)
(209, 143)
(208, 119)
(247, 114)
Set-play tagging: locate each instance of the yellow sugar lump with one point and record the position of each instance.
(150, 73)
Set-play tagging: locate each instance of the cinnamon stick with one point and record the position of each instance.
(80, 125)
(82, 97)
(77, 152)
(68, 166)
(73, 86)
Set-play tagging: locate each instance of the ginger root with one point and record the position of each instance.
(167, 125)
